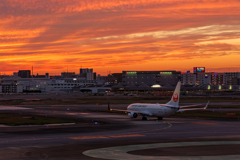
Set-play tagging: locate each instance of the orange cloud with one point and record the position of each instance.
(118, 35)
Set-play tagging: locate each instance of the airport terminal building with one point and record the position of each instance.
(150, 77)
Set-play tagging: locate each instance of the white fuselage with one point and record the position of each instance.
(152, 110)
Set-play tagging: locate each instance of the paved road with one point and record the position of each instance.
(112, 130)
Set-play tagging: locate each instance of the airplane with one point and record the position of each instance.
(158, 110)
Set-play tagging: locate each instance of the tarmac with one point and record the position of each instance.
(104, 135)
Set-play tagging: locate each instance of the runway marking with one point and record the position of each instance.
(160, 129)
(100, 137)
(14, 108)
(207, 123)
(93, 137)
(123, 136)
(77, 113)
(120, 152)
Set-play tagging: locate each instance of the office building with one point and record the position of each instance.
(203, 78)
(88, 74)
(114, 78)
(68, 74)
(150, 77)
(188, 79)
(24, 73)
(232, 78)
(218, 79)
(85, 70)
(7, 87)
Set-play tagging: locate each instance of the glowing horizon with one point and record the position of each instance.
(56, 35)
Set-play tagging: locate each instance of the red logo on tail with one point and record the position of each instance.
(175, 97)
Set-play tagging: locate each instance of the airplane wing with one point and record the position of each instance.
(191, 109)
(145, 113)
(190, 106)
(128, 111)
(182, 106)
(118, 110)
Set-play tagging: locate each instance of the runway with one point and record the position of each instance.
(120, 152)
(116, 130)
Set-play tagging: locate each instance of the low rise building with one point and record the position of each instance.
(68, 83)
(150, 77)
(232, 78)
(188, 78)
(11, 88)
(218, 79)
(203, 79)
(42, 85)
(35, 85)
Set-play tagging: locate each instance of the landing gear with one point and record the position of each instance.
(159, 118)
(144, 118)
(135, 115)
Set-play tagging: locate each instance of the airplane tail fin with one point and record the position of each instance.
(176, 96)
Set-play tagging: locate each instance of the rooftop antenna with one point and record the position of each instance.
(32, 71)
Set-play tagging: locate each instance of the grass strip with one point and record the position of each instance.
(16, 120)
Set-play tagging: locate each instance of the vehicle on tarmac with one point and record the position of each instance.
(159, 110)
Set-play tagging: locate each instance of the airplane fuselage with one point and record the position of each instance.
(152, 110)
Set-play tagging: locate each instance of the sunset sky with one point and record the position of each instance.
(116, 35)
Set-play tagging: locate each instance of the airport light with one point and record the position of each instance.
(156, 86)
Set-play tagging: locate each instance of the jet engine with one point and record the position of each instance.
(132, 115)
